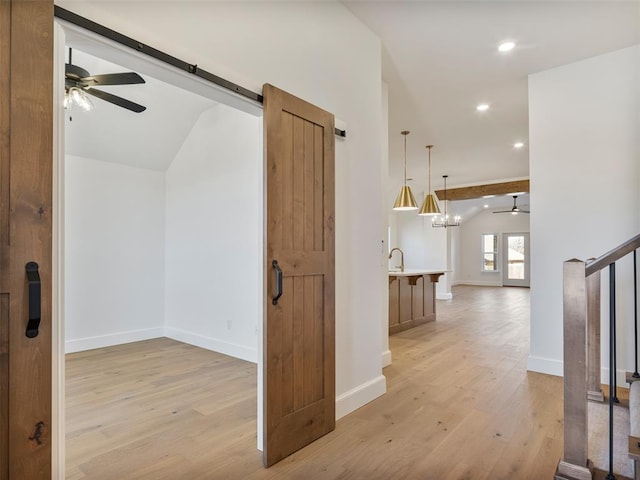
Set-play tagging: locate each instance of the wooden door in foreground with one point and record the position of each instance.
(26, 146)
(299, 344)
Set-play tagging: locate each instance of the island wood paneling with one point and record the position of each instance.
(411, 301)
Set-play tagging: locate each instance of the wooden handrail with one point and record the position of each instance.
(612, 256)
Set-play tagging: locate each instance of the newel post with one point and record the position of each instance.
(574, 464)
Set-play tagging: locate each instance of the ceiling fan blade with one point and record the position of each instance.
(119, 101)
(504, 211)
(125, 78)
(525, 211)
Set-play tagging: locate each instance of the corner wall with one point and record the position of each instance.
(585, 188)
(114, 257)
(214, 232)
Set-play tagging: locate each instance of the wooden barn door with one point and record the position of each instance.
(26, 133)
(299, 335)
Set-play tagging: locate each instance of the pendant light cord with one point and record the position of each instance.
(445, 197)
(429, 171)
(405, 158)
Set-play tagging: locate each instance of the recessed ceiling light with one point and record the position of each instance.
(518, 145)
(506, 46)
(486, 206)
(482, 107)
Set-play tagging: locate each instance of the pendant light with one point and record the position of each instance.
(429, 206)
(405, 199)
(445, 221)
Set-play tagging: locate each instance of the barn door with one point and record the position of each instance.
(26, 132)
(299, 343)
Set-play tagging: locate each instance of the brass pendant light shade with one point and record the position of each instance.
(405, 199)
(429, 206)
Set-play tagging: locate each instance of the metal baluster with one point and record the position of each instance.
(612, 361)
(635, 313)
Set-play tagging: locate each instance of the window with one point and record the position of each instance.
(489, 252)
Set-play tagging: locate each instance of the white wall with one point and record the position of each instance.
(385, 243)
(114, 257)
(424, 247)
(470, 245)
(585, 186)
(322, 53)
(214, 234)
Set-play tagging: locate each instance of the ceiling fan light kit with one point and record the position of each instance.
(405, 199)
(77, 96)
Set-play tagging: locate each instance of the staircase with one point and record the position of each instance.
(582, 363)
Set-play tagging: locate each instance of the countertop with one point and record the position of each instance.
(409, 272)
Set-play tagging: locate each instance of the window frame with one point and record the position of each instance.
(495, 252)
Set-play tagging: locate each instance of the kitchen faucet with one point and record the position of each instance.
(401, 257)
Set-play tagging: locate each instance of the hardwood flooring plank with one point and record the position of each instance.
(460, 405)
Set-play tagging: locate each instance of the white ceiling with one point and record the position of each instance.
(440, 60)
(149, 139)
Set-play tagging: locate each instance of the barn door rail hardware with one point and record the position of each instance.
(35, 299)
(191, 68)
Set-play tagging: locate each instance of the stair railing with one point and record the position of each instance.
(581, 329)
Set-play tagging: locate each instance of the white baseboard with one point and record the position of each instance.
(386, 358)
(555, 367)
(480, 283)
(549, 366)
(621, 377)
(209, 343)
(444, 296)
(360, 396)
(101, 341)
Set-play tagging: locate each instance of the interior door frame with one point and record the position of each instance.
(506, 281)
(61, 30)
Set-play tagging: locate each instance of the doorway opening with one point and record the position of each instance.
(515, 260)
(160, 257)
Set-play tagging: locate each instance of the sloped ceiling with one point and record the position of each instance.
(440, 60)
(149, 139)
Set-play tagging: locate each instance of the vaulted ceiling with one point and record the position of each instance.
(441, 59)
(149, 139)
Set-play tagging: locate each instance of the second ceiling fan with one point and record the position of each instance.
(515, 209)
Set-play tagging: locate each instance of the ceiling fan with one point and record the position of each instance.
(79, 82)
(515, 209)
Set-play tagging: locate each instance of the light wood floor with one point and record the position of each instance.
(460, 405)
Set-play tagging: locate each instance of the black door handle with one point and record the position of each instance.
(278, 282)
(35, 296)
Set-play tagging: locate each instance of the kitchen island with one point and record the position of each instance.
(412, 298)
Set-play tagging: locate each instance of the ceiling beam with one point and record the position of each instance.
(479, 191)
